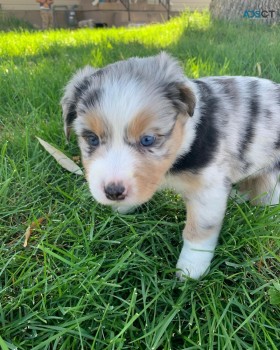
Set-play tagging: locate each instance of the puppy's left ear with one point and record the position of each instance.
(182, 97)
(72, 93)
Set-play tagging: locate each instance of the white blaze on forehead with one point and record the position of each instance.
(121, 101)
(119, 104)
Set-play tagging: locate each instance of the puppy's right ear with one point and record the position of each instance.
(72, 93)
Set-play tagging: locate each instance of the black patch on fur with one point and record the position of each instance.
(72, 109)
(71, 115)
(99, 73)
(277, 142)
(228, 87)
(79, 91)
(253, 113)
(207, 136)
(277, 166)
(89, 100)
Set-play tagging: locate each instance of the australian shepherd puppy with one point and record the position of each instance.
(142, 125)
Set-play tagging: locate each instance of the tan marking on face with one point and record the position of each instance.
(86, 165)
(96, 124)
(139, 125)
(92, 122)
(151, 171)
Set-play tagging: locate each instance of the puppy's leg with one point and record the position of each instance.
(205, 213)
(263, 189)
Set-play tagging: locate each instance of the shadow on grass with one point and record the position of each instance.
(215, 49)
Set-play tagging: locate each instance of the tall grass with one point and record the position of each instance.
(10, 23)
(93, 279)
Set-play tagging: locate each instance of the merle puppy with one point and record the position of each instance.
(142, 126)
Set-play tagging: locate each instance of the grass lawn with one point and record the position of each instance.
(93, 279)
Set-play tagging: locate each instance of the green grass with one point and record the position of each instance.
(10, 23)
(92, 279)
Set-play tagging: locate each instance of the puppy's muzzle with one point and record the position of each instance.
(115, 191)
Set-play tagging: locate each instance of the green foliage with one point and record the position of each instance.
(274, 293)
(13, 24)
(92, 279)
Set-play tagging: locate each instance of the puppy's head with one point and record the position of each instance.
(129, 119)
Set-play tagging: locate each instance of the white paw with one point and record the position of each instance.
(191, 270)
(195, 258)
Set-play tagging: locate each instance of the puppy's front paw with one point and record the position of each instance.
(195, 258)
(191, 270)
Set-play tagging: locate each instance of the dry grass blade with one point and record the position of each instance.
(259, 69)
(31, 228)
(61, 158)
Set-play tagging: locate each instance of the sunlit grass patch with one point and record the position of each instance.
(156, 35)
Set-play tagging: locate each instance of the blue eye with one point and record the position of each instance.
(93, 140)
(147, 140)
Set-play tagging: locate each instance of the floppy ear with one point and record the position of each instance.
(72, 93)
(182, 97)
(175, 84)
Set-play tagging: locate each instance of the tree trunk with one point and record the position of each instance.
(263, 11)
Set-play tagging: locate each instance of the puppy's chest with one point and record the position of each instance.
(185, 183)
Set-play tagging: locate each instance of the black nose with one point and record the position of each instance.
(115, 191)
